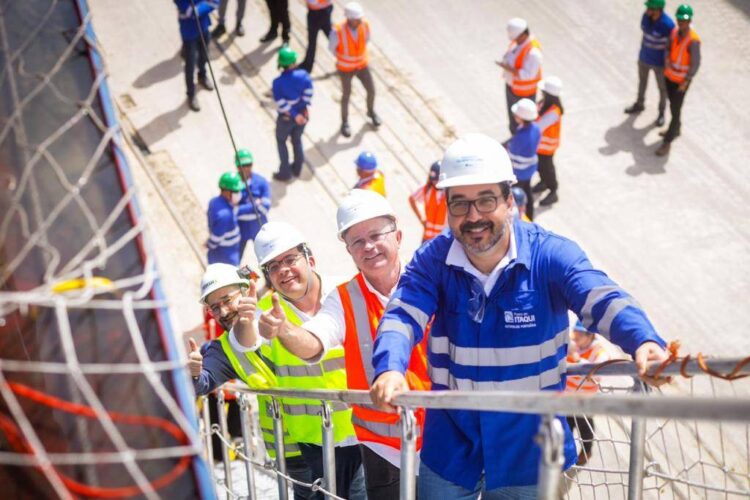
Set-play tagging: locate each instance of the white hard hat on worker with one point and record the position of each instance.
(222, 293)
(353, 10)
(515, 27)
(525, 109)
(285, 259)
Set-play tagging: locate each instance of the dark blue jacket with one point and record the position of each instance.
(247, 216)
(655, 39)
(522, 151)
(292, 91)
(187, 15)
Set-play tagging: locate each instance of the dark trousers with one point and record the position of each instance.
(348, 462)
(234, 422)
(364, 76)
(511, 99)
(526, 186)
(585, 426)
(317, 20)
(240, 11)
(298, 469)
(676, 98)
(279, 10)
(286, 127)
(192, 52)
(547, 172)
(382, 478)
(643, 70)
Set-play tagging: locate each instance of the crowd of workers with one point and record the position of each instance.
(483, 304)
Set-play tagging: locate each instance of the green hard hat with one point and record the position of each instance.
(243, 157)
(287, 57)
(684, 12)
(231, 181)
(655, 4)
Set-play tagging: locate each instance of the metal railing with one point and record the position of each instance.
(638, 404)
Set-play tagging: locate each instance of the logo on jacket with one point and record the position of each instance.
(515, 319)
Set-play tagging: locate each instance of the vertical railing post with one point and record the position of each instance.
(637, 449)
(247, 437)
(409, 432)
(329, 454)
(224, 448)
(206, 417)
(278, 438)
(550, 438)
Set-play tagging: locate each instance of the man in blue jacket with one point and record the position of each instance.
(223, 227)
(656, 26)
(522, 148)
(194, 21)
(499, 291)
(256, 199)
(292, 91)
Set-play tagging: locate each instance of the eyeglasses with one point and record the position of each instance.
(483, 204)
(225, 302)
(275, 266)
(359, 244)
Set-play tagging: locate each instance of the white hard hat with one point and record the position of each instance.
(353, 10)
(361, 205)
(475, 159)
(218, 276)
(515, 27)
(552, 85)
(525, 109)
(275, 238)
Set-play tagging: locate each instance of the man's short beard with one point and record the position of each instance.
(496, 234)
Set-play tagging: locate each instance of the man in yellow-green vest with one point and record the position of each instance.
(232, 301)
(297, 291)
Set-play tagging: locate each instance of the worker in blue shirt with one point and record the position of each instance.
(292, 91)
(194, 14)
(255, 201)
(656, 26)
(223, 227)
(522, 148)
(499, 291)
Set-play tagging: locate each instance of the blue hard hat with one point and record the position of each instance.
(366, 161)
(580, 328)
(519, 195)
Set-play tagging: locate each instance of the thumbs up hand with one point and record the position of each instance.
(272, 321)
(247, 304)
(195, 359)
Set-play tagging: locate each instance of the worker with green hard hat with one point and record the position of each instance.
(292, 92)
(256, 198)
(223, 228)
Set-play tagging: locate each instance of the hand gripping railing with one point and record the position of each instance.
(638, 406)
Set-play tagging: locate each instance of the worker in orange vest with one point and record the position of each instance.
(584, 347)
(369, 176)
(522, 65)
(549, 121)
(350, 317)
(428, 204)
(683, 58)
(348, 42)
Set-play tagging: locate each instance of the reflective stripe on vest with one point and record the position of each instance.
(550, 140)
(302, 415)
(291, 449)
(351, 54)
(362, 313)
(678, 62)
(525, 88)
(435, 211)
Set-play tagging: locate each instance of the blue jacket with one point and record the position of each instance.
(223, 232)
(514, 339)
(292, 91)
(248, 219)
(522, 151)
(217, 369)
(655, 39)
(186, 15)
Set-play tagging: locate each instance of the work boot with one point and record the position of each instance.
(193, 103)
(663, 149)
(634, 109)
(549, 199)
(281, 178)
(346, 130)
(539, 187)
(376, 122)
(268, 37)
(660, 120)
(206, 82)
(240, 30)
(219, 30)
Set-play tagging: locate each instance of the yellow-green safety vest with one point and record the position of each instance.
(302, 416)
(254, 371)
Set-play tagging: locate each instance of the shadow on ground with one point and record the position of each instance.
(628, 139)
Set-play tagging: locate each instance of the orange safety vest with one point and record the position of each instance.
(525, 88)
(376, 182)
(435, 211)
(551, 135)
(318, 4)
(678, 62)
(362, 313)
(596, 353)
(351, 54)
